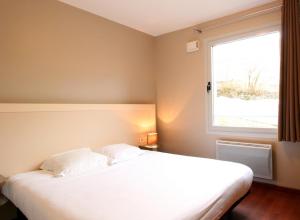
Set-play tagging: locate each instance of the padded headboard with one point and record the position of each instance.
(29, 133)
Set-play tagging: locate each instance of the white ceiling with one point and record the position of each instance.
(156, 17)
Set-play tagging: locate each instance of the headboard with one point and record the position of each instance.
(29, 133)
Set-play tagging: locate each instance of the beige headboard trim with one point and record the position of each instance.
(30, 133)
(20, 107)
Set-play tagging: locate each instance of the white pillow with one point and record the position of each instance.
(119, 152)
(74, 162)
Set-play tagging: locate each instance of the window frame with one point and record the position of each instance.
(233, 131)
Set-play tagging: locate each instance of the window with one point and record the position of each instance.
(244, 76)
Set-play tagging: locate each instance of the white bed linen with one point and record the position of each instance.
(152, 186)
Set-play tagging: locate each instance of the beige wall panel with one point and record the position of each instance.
(31, 133)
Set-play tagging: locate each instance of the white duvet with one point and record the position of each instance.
(152, 186)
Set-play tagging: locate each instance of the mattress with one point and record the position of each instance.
(152, 186)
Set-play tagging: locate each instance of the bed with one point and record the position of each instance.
(154, 185)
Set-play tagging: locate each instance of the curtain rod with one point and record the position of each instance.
(239, 18)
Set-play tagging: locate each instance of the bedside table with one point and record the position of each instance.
(3, 200)
(149, 147)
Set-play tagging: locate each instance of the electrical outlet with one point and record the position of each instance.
(141, 140)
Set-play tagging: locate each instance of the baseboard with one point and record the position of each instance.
(276, 187)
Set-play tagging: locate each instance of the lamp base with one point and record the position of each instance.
(149, 147)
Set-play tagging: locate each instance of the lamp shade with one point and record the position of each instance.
(152, 138)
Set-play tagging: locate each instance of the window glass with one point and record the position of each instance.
(245, 82)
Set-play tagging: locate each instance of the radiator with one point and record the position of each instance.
(257, 156)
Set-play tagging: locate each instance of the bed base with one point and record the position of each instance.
(20, 215)
(227, 215)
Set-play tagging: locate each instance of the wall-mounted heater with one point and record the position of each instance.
(257, 156)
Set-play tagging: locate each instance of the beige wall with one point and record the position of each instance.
(52, 52)
(181, 104)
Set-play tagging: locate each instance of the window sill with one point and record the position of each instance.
(244, 132)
